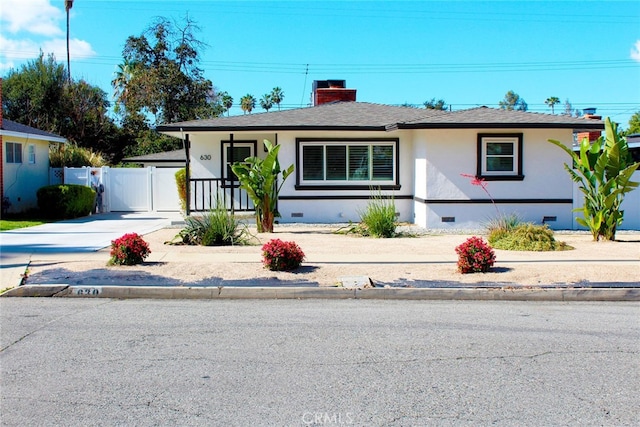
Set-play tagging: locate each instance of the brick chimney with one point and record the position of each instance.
(589, 114)
(325, 91)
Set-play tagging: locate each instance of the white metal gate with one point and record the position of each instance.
(132, 189)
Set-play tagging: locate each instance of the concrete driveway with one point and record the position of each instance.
(81, 235)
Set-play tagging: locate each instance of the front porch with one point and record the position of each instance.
(205, 194)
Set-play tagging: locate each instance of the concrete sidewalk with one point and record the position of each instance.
(71, 238)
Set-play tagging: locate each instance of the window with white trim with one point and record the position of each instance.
(13, 152)
(31, 151)
(347, 162)
(500, 156)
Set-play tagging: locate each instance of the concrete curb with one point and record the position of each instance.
(432, 294)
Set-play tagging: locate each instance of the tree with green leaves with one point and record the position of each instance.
(551, 102)
(634, 124)
(162, 76)
(435, 105)
(266, 102)
(259, 178)
(277, 96)
(603, 171)
(39, 95)
(247, 103)
(512, 101)
(33, 95)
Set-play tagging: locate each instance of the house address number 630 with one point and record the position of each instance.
(205, 157)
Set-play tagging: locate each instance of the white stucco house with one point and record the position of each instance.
(343, 149)
(25, 163)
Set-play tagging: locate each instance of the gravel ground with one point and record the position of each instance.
(426, 259)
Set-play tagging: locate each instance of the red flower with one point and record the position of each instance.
(281, 256)
(129, 249)
(475, 256)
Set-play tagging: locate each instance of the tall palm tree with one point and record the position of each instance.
(247, 103)
(227, 101)
(277, 95)
(266, 102)
(120, 83)
(68, 4)
(551, 101)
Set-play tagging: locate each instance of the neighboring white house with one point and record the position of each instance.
(343, 151)
(25, 163)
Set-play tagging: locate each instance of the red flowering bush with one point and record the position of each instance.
(475, 256)
(281, 256)
(129, 249)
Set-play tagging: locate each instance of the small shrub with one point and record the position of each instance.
(129, 249)
(281, 256)
(526, 237)
(181, 183)
(378, 219)
(65, 201)
(475, 256)
(218, 227)
(72, 156)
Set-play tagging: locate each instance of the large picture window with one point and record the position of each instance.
(500, 156)
(347, 162)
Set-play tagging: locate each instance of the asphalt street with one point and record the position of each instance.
(318, 362)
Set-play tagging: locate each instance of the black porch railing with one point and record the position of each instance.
(206, 192)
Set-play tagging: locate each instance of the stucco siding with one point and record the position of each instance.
(22, 180)
(450, 195)
(431, 164)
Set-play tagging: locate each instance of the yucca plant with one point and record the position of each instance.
(603, 170)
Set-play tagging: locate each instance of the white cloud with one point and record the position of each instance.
(32, 16)
(635, 51)
(19, 49)
(36, 26)
(78, 49)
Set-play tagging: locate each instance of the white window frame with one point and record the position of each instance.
(31, 154)
(515, 140)
(347, 143)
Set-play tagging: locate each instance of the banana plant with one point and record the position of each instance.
(603, 170)
(259, 178)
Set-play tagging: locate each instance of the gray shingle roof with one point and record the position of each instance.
(367, 116)
(11, 126)
(489, 117)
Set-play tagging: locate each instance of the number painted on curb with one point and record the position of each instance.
(87, 292)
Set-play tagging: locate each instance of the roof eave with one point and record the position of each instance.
(188, 129)
(581, 126)
(33, 136)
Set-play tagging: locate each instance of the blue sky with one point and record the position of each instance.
(392, 52)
